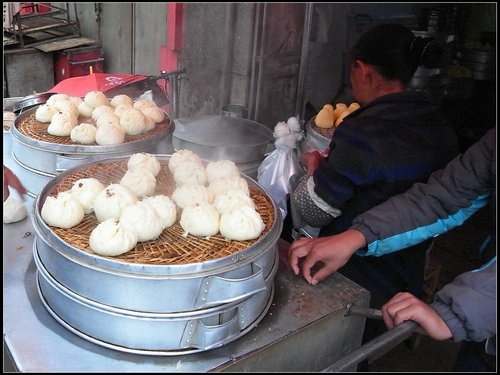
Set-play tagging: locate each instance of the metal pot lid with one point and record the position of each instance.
(222, 131)
(30, 101)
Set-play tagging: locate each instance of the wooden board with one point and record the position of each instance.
(58, 45)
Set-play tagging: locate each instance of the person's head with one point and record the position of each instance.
(392, 53)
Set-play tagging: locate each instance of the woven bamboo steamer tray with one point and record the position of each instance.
(172, 247)
(28, 126)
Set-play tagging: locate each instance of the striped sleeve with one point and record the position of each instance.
(450, 197)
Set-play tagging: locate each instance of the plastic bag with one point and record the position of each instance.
(279, 166)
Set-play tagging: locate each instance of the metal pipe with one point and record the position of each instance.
(392, 337)
(300, 108)
(173, 79)
(352, 309)
(227, 68)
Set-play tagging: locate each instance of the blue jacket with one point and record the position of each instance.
(451, 196)
(380, 150)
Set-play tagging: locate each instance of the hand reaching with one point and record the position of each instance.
(10, 179)
(332, 252)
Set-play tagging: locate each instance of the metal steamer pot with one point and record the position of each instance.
(41, 161)
(177, 333)
(243, 141)
(316, 139)
(167, 309)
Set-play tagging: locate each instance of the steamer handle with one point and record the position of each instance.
(201, 336)
(216, 290)
(67, 161)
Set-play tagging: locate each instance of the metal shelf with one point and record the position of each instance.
(39, 27)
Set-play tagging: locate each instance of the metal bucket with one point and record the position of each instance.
(41, 161)
(235, 110)
(316, 139)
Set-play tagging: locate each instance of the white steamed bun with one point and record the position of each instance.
(109, 134)
(190, 172)
(232, 199)
(140, 181)
(241, 224)
(191, 194)
(95, 99)
(165, 209)
(201, 220)
(181, 156)
(83, 133)
(220, 169)
(143, 218)
(111, 201)
(112, 237)
(85, 190)
(143, 160)
(14, 209)
(221, 185)
(133, 121)
(63, 211)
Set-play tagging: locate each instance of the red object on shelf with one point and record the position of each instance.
(77, 62)
(28, 8)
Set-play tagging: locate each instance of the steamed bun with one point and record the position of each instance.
(112, 237)
(201, 220)
(85, 110)
(221, 168)
(63, 211)
(62, 124)
(221, 185)
(85, 190)
(14, 209)
(241, 224)
(109, 134)
(191, 194)
(165, 209)
(108, 119)
(232, 199)
(83, 133)
(190, 172)
(144, 160)
(155, 113)
(132, 121)
(143, 218)
(180, 156)
(121, 99)
(56, 97)
(95, 99)
(101, 110)
(139, 181)
(45, 112)
(111, 201)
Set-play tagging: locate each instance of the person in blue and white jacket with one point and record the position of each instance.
(465, 309)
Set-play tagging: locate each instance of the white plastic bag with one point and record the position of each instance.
(279, 166)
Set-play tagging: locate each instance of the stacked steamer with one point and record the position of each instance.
(181, 251)
(243, 141)
(321, 127)
(67, 131)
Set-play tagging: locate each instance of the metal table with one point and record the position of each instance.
(305, 329)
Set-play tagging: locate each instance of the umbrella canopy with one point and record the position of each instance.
(80, 86)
